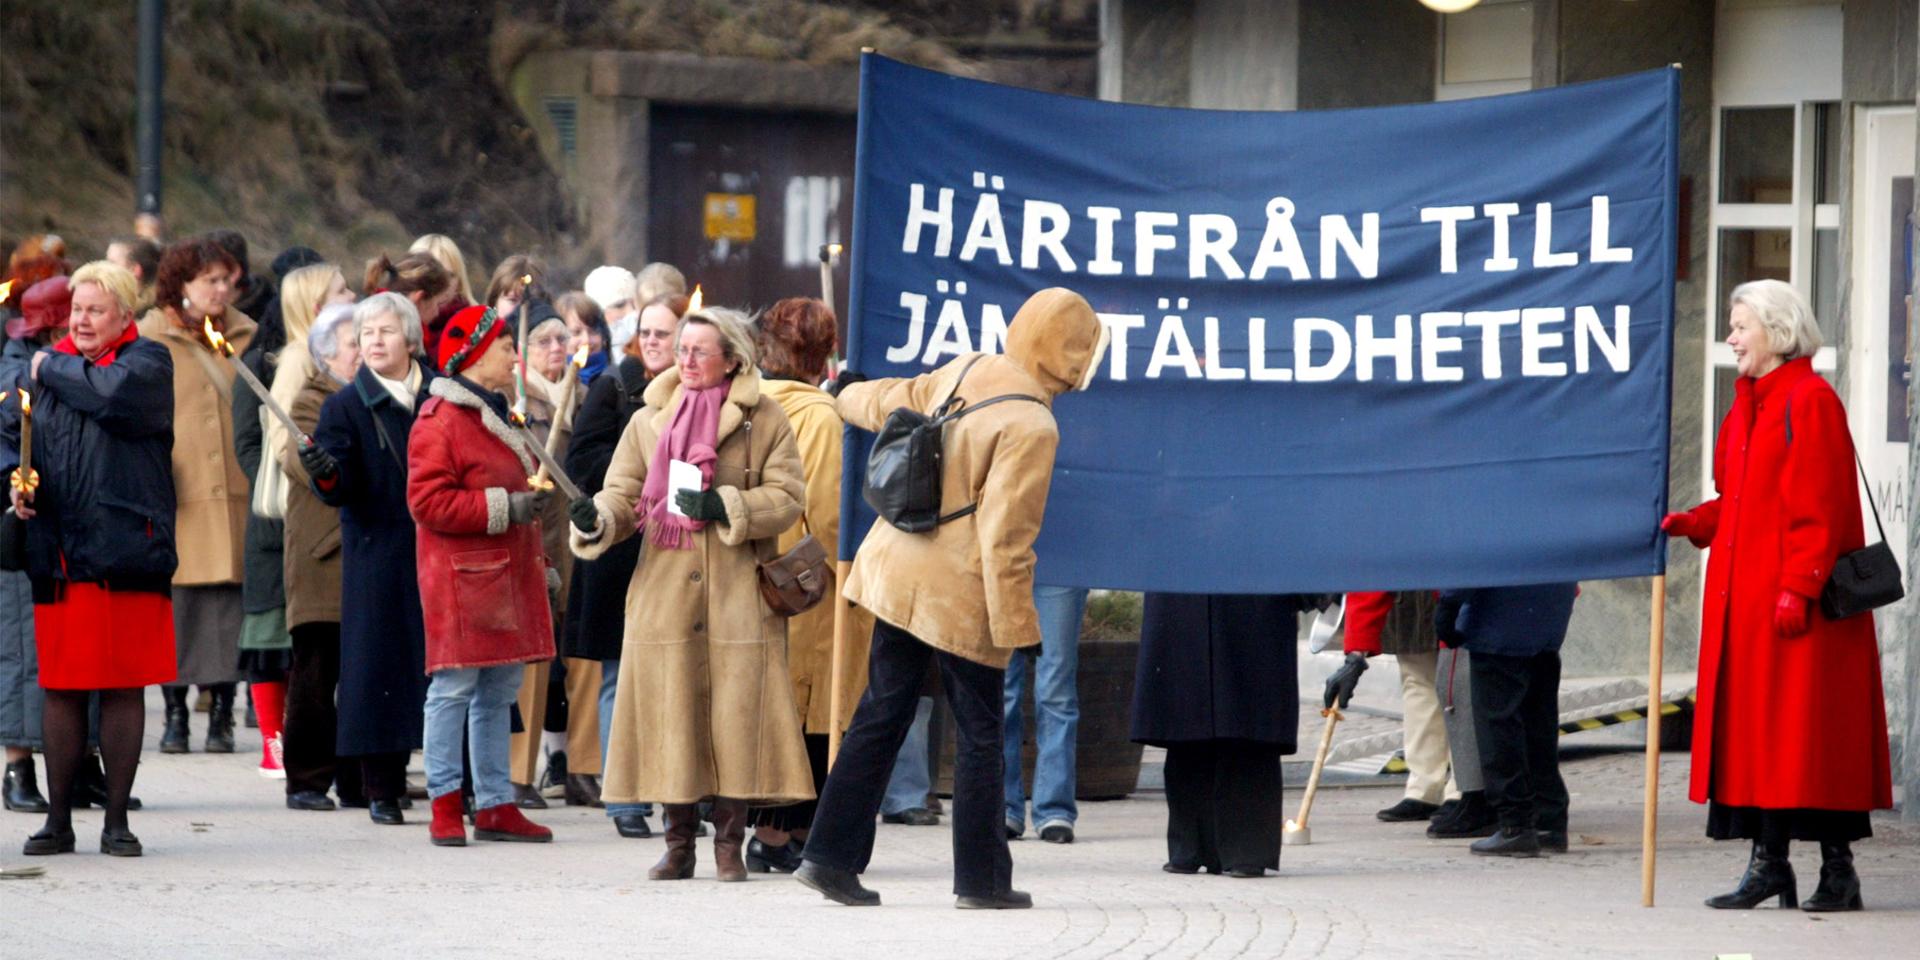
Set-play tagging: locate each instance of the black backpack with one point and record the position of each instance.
(904, 467)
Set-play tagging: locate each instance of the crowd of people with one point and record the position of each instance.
(355, 501)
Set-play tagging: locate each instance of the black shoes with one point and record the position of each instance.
(1508, 843)
(633, 826)
(385, 812)
(220, 720)
(119, 843)
(1553, 841)
(1004, 900)
(46, 842)
(1057, 831)
(582, 790)
(90, 786)
(1769, 874)
(1463, 818)
(1839, 885)
(840, 886)
(527, 798)
(1184, 869)
(173, 735)
(765, 859)
(22, 791)
(1408, 810)
(309, 800)
(913, 817)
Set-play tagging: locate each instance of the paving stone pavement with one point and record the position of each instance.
(230, 873)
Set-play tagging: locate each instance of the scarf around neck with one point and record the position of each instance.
(692, 435)
(106, 356)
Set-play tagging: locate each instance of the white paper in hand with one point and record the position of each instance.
(681, 475)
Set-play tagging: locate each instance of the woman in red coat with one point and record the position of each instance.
(484, 578)
(1790, 731)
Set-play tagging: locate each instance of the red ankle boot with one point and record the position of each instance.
(506, 822)
(449, 827)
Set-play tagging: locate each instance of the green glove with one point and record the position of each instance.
(701, 505)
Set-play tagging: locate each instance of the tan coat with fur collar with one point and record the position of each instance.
(705, 706)
(966, 587)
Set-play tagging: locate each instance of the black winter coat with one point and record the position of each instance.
(263, 580)
(103, 443)
(1218, 667)
(383, 644)
(1511, 621)
(596, 607)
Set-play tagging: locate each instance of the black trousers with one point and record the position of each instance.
(1516, 723)
(311, 717)
(843, 826)
(1223, 805)
(382, 775)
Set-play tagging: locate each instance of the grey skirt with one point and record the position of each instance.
(206, 630)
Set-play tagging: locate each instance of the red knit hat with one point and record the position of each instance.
(467, 336)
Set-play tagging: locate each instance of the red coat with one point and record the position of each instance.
(1785, 722)
(483, 581)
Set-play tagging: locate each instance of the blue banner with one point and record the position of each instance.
(1400, 347)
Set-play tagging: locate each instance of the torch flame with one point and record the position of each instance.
(26, 402)
(694, 302)
(833, 249)
(218, 342)
(6, 291)
(580, 357)
(526, 279)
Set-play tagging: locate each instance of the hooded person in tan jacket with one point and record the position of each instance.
(960, 595)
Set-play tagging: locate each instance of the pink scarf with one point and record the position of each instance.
(692, 435)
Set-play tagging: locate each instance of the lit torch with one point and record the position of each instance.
(225, 349)
(25, 479)
(694, 302)
(6, 291)
(520, 372)
(574, 364)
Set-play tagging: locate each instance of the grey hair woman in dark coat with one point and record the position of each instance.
(360, 466)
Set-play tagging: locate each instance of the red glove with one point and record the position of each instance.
(1790, 614)
(1684, 525)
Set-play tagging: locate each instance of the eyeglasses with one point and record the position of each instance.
(697, 356)
(549, 342)
(646, 334)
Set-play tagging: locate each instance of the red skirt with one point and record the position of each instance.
(93, 638)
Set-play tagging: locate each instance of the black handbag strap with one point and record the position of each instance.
(1866, 482)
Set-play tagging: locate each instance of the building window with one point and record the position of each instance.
(1485, 50)
(563, 112)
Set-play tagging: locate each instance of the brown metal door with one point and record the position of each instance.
(741, 200)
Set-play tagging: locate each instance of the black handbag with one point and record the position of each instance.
(1864, 579)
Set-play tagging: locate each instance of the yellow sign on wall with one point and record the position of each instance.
(730, 216)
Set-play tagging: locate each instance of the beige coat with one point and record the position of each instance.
(817, 428)
(705, 707)
(211, 488)
(967, 586)
(311, 563)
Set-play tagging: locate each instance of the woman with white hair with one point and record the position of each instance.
(1790, 728)
(704, 707)
(327, 358)
(359, 465)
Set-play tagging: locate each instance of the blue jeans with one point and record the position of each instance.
(471, 702)
(1056, 702)
(908, 786)
(609, 681)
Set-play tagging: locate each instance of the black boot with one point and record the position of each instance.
(90, 786)
(22, 791)
(220, 719)
(1839, 886)
(1769, 874)
(173, 737)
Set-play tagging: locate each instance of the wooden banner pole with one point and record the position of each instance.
(837, 667)
(1650, 813)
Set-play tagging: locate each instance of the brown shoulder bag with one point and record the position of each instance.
(799, 579)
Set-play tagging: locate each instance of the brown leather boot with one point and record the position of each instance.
(729, 832)
(677, 862)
